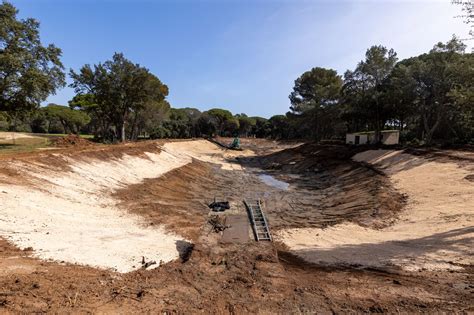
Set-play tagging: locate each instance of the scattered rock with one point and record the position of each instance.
(146, 264)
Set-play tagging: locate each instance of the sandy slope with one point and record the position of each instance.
(14, 135)
(207, 152)
(68, 213)
(435, 231)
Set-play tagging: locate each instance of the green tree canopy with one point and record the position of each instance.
(223, 120)
(279, 127)
(245, 124)
(441, 78)
(71, 120)
(149, 117)
(186, 114)
(314, 103)
(260, 127)
(29, 71)
(362, 88)
(316, 88)
(220, 114)
(468, 14)
(119, 88)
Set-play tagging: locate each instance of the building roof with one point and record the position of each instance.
(372, 132)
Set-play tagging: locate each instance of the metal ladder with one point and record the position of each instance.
(259, 222)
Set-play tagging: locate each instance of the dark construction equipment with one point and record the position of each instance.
(259, 222)
(235, 145)
(219, 206)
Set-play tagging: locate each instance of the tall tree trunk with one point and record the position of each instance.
(134, 130)
(122, 131)
(63, 123)
(377, 132)
(429, 131)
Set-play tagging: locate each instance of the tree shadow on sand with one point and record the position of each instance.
(439, 248)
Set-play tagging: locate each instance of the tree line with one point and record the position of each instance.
(428, 98)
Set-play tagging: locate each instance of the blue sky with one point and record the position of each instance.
(240, 55)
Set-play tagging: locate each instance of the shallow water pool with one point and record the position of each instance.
(272, 181)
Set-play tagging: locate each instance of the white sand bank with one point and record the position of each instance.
(70, 215)
(435, 231)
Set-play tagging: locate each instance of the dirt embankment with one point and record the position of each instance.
(61, 206)
(175, 199)
(260, 146)
(327, 188)
(433, 232)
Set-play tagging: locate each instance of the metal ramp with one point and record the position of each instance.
(258, 221)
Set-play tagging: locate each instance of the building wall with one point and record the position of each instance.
(350, 138)
(388, 138)
(391, 138)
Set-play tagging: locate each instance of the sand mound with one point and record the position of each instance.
(435, 231)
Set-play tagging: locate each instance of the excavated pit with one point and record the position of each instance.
(93, 211)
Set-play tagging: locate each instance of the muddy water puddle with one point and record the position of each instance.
(272, 181)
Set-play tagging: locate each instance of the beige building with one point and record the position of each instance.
(389, 137)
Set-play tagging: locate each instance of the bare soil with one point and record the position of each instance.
(233, 279)
(71, 140)
(326, 188)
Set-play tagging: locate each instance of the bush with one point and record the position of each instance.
(160, 132)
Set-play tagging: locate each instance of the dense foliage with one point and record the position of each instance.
(314, 103)
(120, 93)
(428, 97)
(29, 71)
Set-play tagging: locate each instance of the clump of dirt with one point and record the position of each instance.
(217, 223)
(470, 177)
(72, 140)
